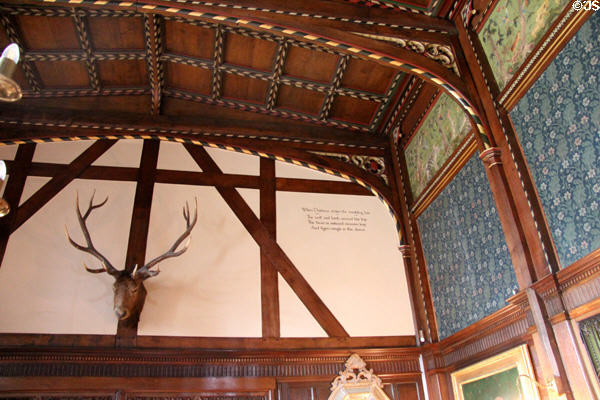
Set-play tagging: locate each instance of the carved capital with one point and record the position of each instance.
(491, 157)
(405, 250)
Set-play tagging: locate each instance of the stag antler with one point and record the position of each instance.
(90, 246)
(145, 272)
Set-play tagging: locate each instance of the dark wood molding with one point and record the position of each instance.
(179, 345)
(269, 285)
(18, 171)
(258, 387)
(271, 249)
(59, 182)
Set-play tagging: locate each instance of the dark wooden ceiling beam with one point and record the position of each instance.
(154, 48)
(336, 82)
(339, 15)
(341, 36)
(216, 89)
(274, 83)
(389, 95)
(41, 122)
(80, 20)
(59, 182)
(271, 249)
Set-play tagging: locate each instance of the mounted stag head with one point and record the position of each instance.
(129, 290)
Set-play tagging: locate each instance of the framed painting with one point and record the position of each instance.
(506, 376)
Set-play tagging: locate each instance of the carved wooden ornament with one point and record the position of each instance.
(361, 385)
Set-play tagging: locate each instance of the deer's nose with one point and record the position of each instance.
(121, 312)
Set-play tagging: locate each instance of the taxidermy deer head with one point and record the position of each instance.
(129, 290)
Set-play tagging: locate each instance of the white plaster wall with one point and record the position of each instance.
(288, 170)
(60, 152)
(359, 275)
(124, 153)
(43, 286)
(174, 156)
(214, 288)
(8, 152)
(231, 162)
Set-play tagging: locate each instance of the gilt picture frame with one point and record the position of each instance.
(506, 376)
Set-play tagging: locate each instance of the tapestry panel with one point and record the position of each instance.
(513, 30)
(443, 129)
(558, 123)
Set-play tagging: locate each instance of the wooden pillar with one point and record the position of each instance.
(412, 252)
(518, 216)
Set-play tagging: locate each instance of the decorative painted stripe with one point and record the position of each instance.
(4, 142)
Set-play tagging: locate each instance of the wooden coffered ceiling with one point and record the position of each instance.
(99, 60)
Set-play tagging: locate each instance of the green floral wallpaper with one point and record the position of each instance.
(513, 30)
(469, 267)
(558, 123)
(439, 135)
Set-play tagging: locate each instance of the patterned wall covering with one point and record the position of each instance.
(439, 135)
(469, 266)
(558, 123)
(513, 30)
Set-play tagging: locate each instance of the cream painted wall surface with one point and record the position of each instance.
(231, 162)
(124, 153)
(214, 288)
(60, 152)
(8, 152)
(287, 170)
(174, 156)
(43, 285)
(358, 274)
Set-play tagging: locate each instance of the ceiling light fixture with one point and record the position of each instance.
(9, 89)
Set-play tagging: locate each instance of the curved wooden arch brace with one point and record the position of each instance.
(367, 49)
(296, 157)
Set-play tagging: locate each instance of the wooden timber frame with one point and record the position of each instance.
(544, 313)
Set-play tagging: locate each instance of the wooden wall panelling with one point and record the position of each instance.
(270, 247)
(136, 387)
(18, 171)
